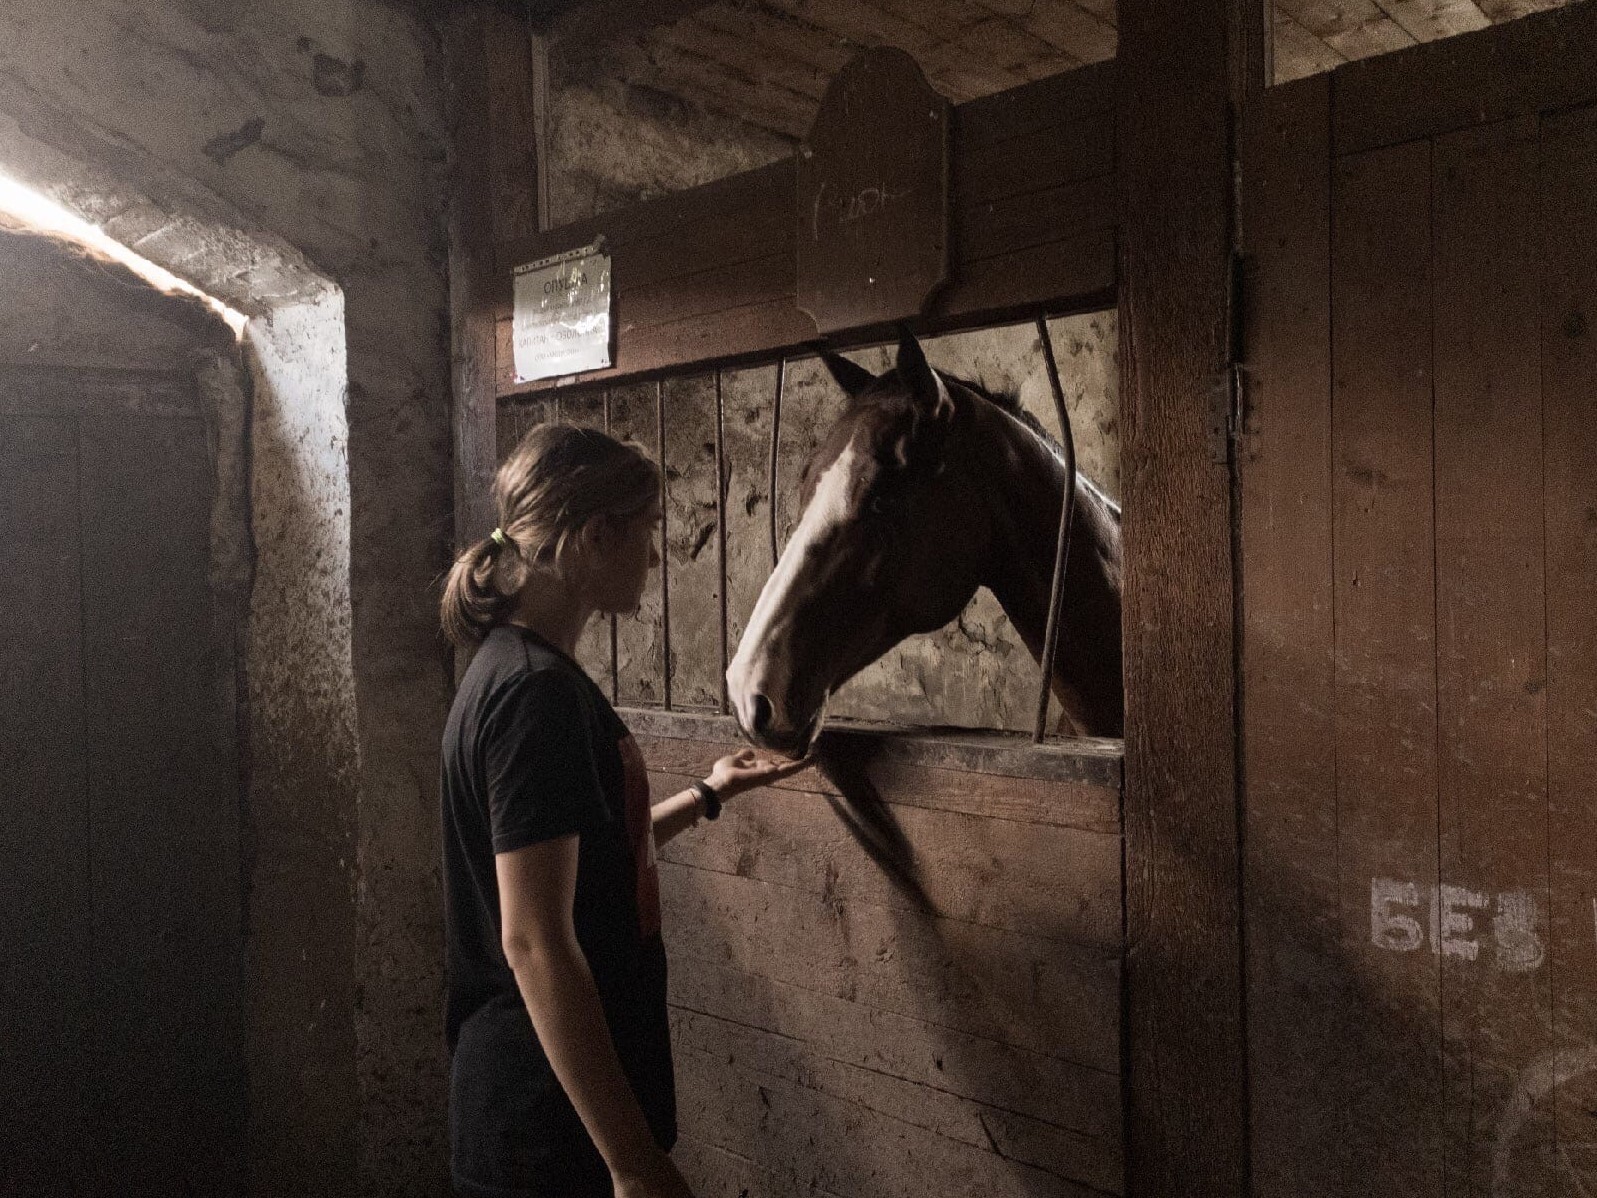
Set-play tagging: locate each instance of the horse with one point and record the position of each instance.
(925, 489)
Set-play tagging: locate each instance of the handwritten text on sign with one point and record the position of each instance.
(561, 321)
(1458, 922)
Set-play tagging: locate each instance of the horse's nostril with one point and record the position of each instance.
(762, 714)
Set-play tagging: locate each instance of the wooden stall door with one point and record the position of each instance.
(1419, 568)
(836, 1036)
(121, 944)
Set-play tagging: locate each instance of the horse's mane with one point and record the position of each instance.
(1009, 402)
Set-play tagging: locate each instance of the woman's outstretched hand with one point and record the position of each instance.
(746, 770)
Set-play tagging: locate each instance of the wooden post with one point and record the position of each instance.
(494, 197)
(1185, 1060)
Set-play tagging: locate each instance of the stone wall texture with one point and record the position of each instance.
(288, 156)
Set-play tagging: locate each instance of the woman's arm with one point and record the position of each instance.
(732, 775)
(537, 885)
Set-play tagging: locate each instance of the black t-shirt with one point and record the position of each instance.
(533, 751)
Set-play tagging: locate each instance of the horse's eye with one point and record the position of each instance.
(880, 505)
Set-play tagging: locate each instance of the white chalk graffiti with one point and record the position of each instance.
(1451, 921)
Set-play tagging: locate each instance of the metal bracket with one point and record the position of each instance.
(1224, 418)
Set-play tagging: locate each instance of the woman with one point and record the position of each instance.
(561, 1082)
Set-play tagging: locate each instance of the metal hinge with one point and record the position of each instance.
(1225, 414)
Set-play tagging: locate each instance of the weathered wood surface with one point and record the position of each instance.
(1491, 649)
(1437, 1037)
(119, 863)
(1386, 657)
(1522, 68)
(1185, 1062)
(834, 1032)
(708, 274)
(1568, 300)
(1296, 996)
(494, 195)
(924, 773)
(46, 938)
(872, 197)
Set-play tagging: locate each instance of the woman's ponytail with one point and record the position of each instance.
(556, 480)
(473, 602)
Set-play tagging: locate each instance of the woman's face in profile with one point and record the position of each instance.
(627, 554)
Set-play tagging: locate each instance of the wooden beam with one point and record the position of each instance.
(1185, 1056)
(707, 275)
(488, 55)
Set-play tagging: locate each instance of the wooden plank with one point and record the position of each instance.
(1033, 107)
(512, 126)
(45, 1002)
(681, 216)
(781, 1125)
(716, 1172)
(690, 550)
(1386, 663)
(640, 635)
(1034, 219)
(1076, 273)
(975, 750)
(1040, 880)
(911, 776)
(950, 1123)
(1066, 1095)
(1019, 990)
(167, 885)
(1068, 152)
(1298, 992)
(62, 392)
(706, 275)
(1491, 649)
(1518, 69)
(1089, 808)
(494, 195)
(1186, 1113)
(1568, 231)
(764, 278)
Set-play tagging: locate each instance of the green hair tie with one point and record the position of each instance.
(498, 537)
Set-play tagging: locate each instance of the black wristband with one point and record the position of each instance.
(709, 798)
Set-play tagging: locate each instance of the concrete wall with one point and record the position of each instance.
(288, 156)
(612, 143)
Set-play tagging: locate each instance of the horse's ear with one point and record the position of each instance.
(921, 380)
(850, 376)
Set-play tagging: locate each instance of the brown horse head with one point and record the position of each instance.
(894, 540)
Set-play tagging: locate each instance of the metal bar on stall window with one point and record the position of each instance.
(615, 640)
(665, 546)
(776, 441)
(720, 531)
(1067, 512)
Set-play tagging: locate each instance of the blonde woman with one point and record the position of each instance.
(561, 1079)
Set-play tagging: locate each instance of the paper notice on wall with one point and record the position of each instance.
(561, 320)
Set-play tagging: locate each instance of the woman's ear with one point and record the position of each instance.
(598, 535)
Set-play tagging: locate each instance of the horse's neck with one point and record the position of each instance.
(1027, 485)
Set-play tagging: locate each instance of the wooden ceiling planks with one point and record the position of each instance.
(767, 61)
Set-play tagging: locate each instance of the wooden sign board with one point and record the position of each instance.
(873, 196)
